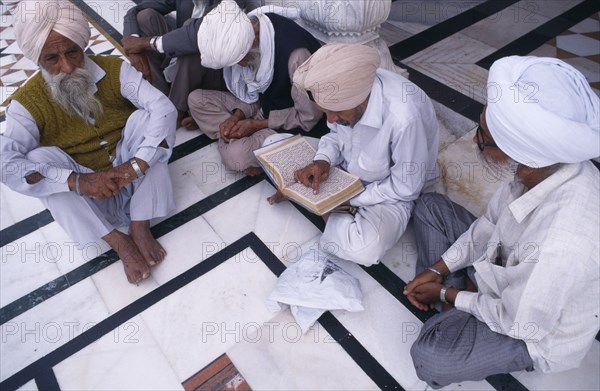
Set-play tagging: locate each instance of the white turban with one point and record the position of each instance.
(339, 77)
(34, 20)
(542, 111)
(225, 36)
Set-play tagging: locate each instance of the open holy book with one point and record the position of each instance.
(281, 160)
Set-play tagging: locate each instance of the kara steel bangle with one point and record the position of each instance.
(136, 167)
(443, 295)
(436, 271)
(77, 185)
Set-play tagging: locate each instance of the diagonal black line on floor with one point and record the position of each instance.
(537, 37)
(47, 381)
(54, 287)
(32, 223)
(442, 30)
(42, 369)
(395, 286)
(104, 25)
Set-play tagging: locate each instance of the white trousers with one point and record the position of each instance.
(86, 220)
(367, 236)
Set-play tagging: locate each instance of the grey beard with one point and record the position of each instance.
(75, 92)
(499, 171)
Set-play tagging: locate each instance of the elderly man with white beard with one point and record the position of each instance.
(523, 278)
(89, 137)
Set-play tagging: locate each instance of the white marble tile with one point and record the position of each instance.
(14, 77)
(65, 252)
(25, 64)
(428, 12)
(583, 378)
(102, 47)
(14, 47)
(27, 264)
(588, 25)
(456, 49)
(116, 291)
(464, 179)
(127, 358)
(281, 226)
(9, 32)
(186, 246)
(505, 26)
(204, 319)
(49, 325)
(544, 51)
(578, 44)
(277, 356)
(184, 135)
(21, 206)
(29, 386)
(3, 43)
(6, 216)
(392, 34)
(6, 60)
(402, 258)
(386, 328)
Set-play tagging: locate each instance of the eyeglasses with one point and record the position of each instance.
(481, 141)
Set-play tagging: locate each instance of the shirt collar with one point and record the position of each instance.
(372, 116)
(525, 204)
(97, 73)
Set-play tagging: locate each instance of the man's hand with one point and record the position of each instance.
(243, 128)
(313, 174)
(140, 63)
(226, 127)
(126, 170)
(424, 296)
(102, 185)
(135, 45)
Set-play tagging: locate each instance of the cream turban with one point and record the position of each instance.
(34, 20)
(339, 76)
(542, 111)
(225, 36)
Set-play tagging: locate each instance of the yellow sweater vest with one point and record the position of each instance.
(89, 145)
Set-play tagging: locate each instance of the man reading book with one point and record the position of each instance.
(383, 129)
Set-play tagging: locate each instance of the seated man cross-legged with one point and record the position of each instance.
(383, 128)
(89, 137)
(524, 277)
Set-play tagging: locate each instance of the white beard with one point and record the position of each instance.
(75, 92)
(499, 171)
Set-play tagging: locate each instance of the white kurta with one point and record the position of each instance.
(85, 219)
(393, 149)
(547, 291)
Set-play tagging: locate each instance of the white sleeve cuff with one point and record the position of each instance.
(159, 45)
(464, 300)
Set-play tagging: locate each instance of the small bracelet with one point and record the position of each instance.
(153, 43)
(443, 295)
(136, 167)
(436, 271)
(77, 188)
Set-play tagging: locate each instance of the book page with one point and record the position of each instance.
(338, 181)
(290, 159)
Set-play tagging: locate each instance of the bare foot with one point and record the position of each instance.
(277, 198)
(151, 250)
(253, 171)
(189, 123)
(134, 263)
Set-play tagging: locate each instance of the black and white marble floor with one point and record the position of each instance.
(70, 321)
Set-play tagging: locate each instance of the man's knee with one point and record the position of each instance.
(424, 206)
(236, 156)
(431, 364)
(147, 20)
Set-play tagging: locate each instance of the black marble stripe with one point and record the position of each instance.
(537, 37)
(32, 223)
(54, 287)
(41, 370)
(99, 20)
(442, 93)
(46, 381)
(442, 30)
(395, 286)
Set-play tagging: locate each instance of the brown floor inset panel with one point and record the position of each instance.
(220, 374)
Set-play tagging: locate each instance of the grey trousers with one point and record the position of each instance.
(454, 346)
(189, 72)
